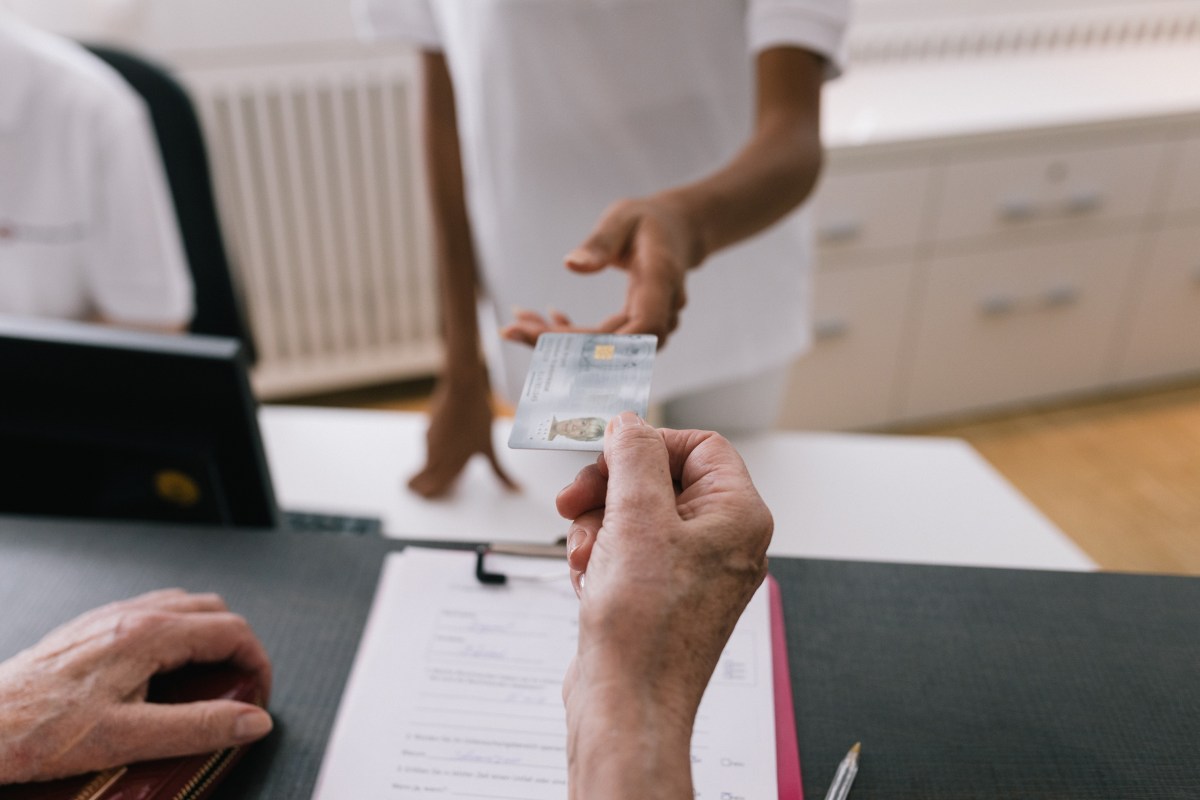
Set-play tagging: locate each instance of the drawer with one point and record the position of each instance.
(1011, 325)
(870, 209)
(1183, 196)
(1048, 188)
(1164, 334)
(848, 379)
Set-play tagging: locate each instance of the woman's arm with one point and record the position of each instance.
(658, 238)
(776, 169)
(672, 538)
(461, 414)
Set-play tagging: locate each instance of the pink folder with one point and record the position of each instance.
(787, 753)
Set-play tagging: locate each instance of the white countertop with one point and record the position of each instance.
(890, 103)
(845, 496)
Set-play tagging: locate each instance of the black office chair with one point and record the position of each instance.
(219, 310)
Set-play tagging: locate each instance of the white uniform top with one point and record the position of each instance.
(565, 106)
(86, 221)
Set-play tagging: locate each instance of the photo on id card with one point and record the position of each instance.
(577, 382)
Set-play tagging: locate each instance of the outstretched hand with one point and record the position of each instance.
(76, 701)
(460, 425)
(654, 242)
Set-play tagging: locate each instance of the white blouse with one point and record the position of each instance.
(86, 221)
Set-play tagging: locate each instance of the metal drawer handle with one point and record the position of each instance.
(1061, 296)
(841, 231)
(1017, 209)
(998, 305)
(829, 329)
(1084, 202)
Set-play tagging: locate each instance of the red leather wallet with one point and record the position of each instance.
(184, 778)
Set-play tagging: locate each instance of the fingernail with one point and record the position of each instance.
(252, 725)
(628, 419)
(574, 539)
(582, 575)
(584, 256)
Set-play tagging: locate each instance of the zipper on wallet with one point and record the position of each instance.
(212, 769)
(100, 784)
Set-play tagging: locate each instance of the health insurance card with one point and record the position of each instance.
(576, 383)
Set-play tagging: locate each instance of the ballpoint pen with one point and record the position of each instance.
(842, 780)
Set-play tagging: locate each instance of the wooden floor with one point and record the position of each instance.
(1121, 476)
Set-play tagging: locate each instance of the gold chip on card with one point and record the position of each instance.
(604, 352)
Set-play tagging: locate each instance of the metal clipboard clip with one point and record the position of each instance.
(557, 550)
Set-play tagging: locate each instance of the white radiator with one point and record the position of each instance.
(316, 165)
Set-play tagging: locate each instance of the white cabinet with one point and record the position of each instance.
(847, 379)
(1164, 334)
(866, 208)
(982, 271)
(1059, 183)
(1183, 196)
(1012, 324)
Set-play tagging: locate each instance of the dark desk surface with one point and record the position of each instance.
(961, 683)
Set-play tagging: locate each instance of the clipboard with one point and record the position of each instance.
(444, 644)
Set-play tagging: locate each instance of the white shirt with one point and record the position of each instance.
(565, 106)
(86, 221)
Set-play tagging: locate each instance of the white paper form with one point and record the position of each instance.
(456, 692)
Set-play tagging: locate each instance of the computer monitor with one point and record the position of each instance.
(102, 422)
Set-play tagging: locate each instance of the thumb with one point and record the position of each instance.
(639, 471)
(149, 731)
(607, 243)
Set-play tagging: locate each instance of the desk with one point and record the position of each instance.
(840, 496)
(961, 683)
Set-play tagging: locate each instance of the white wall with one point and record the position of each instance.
(183, 26)
(913, 10)
(78, 18)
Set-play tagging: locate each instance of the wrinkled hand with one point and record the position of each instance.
(654, 242)
(460, 425)
(667, 544)
(75, 702)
